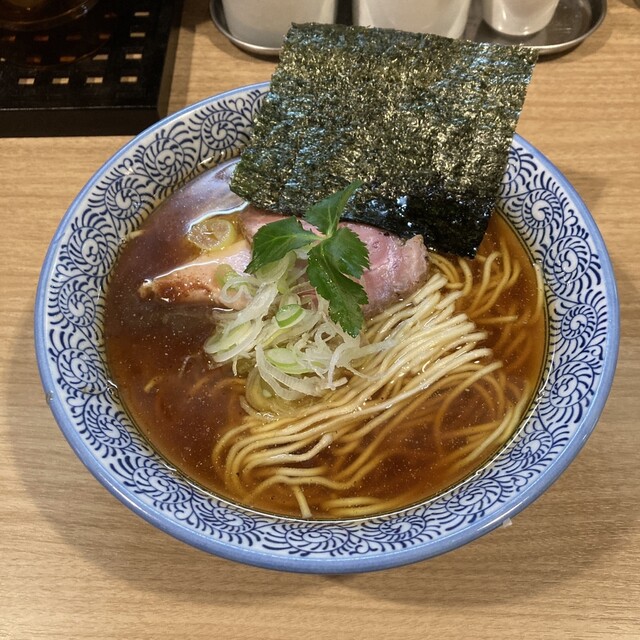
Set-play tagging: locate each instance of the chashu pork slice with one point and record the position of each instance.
(397, 267)
(195, 282)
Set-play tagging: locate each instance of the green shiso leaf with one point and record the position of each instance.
(275, 240)
(345, 296)
(325, 215)
(426, 121)
(347, 252)
(334, 258)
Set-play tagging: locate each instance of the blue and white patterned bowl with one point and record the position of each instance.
(583, 312)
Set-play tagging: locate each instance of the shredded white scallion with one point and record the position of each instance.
(285, 333)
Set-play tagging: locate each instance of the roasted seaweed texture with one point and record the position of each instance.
(424, 120)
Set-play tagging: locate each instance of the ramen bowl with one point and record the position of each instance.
(582, 309)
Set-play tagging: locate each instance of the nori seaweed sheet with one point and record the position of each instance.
(425, 121)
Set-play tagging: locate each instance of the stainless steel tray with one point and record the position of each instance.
(573, 22)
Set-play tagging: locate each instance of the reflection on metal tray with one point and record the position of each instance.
(573, 22)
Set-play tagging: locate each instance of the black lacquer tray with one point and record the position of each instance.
(107, 73)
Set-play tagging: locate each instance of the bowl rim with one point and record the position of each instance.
(332, 565)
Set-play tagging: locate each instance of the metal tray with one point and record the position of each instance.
(573, 22)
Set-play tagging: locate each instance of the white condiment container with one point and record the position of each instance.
(264, 23)
(518, 17)
(442, 17)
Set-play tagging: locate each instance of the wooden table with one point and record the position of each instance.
(75, 563)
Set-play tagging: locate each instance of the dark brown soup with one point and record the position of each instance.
(179, 401)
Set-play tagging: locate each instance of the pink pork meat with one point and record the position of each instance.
(397, 267)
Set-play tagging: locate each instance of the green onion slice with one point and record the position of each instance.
(286, 360)
(289, 314)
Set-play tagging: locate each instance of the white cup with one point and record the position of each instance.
(518, 17)
(442, 17)
(264, 23)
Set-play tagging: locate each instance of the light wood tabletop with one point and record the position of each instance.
(76, 563)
